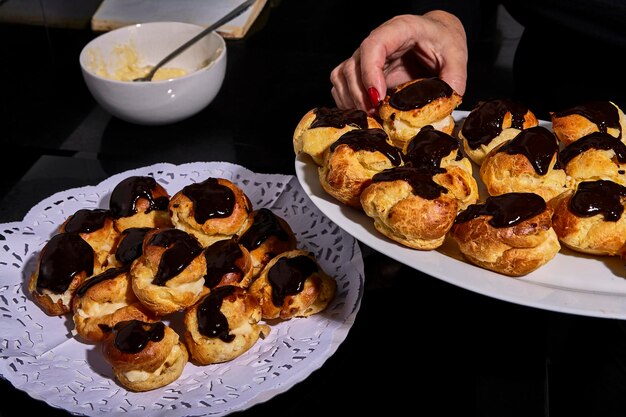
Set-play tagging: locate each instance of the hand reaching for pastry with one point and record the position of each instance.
(399, 50)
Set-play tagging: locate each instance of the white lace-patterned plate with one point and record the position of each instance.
(39, 355)
(569, 283)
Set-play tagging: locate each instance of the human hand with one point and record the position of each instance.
(400, 50)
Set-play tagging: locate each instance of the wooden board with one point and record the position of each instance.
(113, 14)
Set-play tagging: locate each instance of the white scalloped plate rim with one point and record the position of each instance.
(351, 297)
(570, 283)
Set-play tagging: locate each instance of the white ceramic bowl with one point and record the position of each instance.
(155, 102)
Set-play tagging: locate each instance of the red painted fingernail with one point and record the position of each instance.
(374, 96)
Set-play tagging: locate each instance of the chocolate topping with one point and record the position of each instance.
(338, 118)
(211, 321)
(485, 121)
(220, 260)
(598, 197)
(132, 336)
(106, 275)
(86, 221)
(130, 246)
(125, 195)
(181, 249)
(420, 179)
(602, 113)
(537, 144)
(419, 94)
(265, 225)
(370, 140)
(596, 140)
(64, 256)
(429, 147)
(210, 200)
(287, 276)
(506, 210)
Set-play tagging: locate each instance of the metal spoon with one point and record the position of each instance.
(233, 14)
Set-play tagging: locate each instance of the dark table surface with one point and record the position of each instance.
(418, 343)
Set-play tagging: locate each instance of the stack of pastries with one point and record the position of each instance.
(542, 188)
(204, 253)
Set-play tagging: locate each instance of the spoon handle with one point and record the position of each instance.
(227, 18)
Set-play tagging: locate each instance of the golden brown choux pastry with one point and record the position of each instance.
(353, 160)
(104, 300)
(415, 104)
(144, 356)
(594, 157)
(129, 246)
(409, 206)
(526, 163)
(293, 285)
(211, 210)
(63, 264)
(573, 123)
(322, 126)
(169, 275)
(96, 227)
(227, 263)
(491, 123)
(267, 236)
(223, 325)
(511, 233)
(591, 218)
(437, 151)
(139, 201)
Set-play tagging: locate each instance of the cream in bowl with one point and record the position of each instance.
(183, 87)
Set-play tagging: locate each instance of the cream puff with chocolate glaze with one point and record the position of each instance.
(353, 160)
(409, 206)
(575, 122)
(527, 163)
(104, 300)
(591, 218)
(227, 263)
(293, 285)
(96, 227)
(64, 263)
(129, 246)
(437, 151)
(491, 123)
(594, 157)
(511, 233)
(415, 104)
(139, 201)
(322, 126)
(144, 356)
(211, 210)
(223, 325)
(169, 275)
(267, 236)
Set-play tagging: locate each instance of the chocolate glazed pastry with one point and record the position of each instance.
(491, 123)
(322, 126)
(144, 356)
(97, 228)
(415, 104)
(595, 156)
(227, 263)
(293, 285)
(527, 163)
(223, 325)
(139, 202)
(575, 122)
(212, 210)
(353, 160)
(267, 236)
(591, 218)
(63, 264)
(511, 233)
(169, 275)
